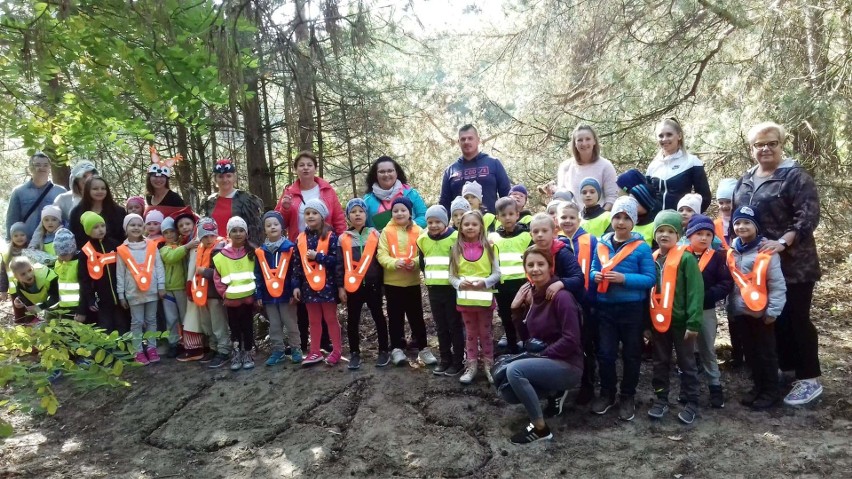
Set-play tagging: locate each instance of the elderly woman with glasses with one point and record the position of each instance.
(786, 199)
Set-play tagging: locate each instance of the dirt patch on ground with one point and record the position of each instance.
(182, 420)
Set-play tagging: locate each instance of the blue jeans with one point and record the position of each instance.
(529, 378)
(619, 323)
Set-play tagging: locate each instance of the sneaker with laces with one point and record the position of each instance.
(153, 355)
(688, 414)
(454, 370)
(354, 361)
(236, 359)
(503, 342)
(398, 357)
(659, 408)
(207, 357)
(248, 359)
(312, 358)
(218, 361)
(626, 408)
(531, 434)
(277, 357)
(555, 405)
(190, 355)
(717, 396)
(383, 359)
(141, 358)
(603, 403)
(804, 391)
(296, 355)
(469, 372)
(425, 355)
(486, 368)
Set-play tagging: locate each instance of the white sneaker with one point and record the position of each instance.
(469, 372)
(398, 357)
(486, 368)
(427, 357)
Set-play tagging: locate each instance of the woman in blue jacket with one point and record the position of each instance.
(386, 181)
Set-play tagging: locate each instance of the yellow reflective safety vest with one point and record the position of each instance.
(490, 221)
(510, 252)
(43, 277)
(475, 271)
(436, 258)
(49, 249)
(647, 232)
(69, 284)
(597, 226)
(237, 274)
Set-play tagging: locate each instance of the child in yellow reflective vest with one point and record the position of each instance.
(51, 220)
(474, 271)
(67, 268)
(510, 240)
(37, 288)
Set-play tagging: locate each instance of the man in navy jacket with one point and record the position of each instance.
(474, 165)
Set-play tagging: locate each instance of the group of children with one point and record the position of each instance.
(209, 287)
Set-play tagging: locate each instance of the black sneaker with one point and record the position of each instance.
(208, 356)
(688, 414)
(764, 401)
(555, 405)
(603, 403)
(172, 352)
(531, 434)
(441, 368)
(681, 398)
(659, 408)
(454, 370)
(750, 397)
(354, 361)
(218, 361)
(383, 359)
(717, 397)
(626, 408)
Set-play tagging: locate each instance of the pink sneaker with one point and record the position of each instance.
(142, 359)
(312, 358)
(153, 355)
(333, 359)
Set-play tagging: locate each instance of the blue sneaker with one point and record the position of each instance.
(296, 355)
(803, 392)
(275, 358)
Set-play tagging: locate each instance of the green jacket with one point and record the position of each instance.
(174, 261)
(688, 305)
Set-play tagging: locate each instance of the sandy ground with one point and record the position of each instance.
(181, 420)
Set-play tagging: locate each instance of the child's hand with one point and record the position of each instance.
(18, 303)
(553, 289)
(768, 319)
(124, 304)
(614, 277)
(599, 278)
(341, 292)
(646, 334)
(297, 294)
(191, 245)
(689, 335)
(80, 318)
(409, 265)
(4, 296)
(465, 285)
(33, 309)
(93, 308)
(161, 293)
(312, 255)
(400, 264)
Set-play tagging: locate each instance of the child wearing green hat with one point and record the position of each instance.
(97, 264)
(677, 307)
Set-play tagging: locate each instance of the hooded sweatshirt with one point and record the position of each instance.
(125, 285)
(638, 269)
(776, 287)
(556, 322)
(174, 262)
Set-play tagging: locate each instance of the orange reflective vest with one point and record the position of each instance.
(662, 301)
(274, 278)
(584, 255)
(142, 272)
(752, 284)
(719, 227)
(95, 261)
(314, 275)
(393, 244)
(198, 286)
(608, 264)
(705, 258)
(354, 271)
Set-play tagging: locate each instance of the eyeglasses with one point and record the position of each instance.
(770, 144)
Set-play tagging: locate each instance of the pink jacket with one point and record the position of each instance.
(336, 218)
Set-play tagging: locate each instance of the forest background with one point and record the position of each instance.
(259, 80)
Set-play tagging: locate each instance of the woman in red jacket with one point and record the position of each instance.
(308, 186)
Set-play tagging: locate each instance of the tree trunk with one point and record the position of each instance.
(184, 168)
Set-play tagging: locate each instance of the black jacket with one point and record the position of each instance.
(718, 282)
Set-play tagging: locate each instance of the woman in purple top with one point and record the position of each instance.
(556, 323)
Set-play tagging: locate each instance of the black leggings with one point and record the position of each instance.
(371, 294)
(405, 301)
(241, 322)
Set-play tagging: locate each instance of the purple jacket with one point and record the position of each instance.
(557, 323)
